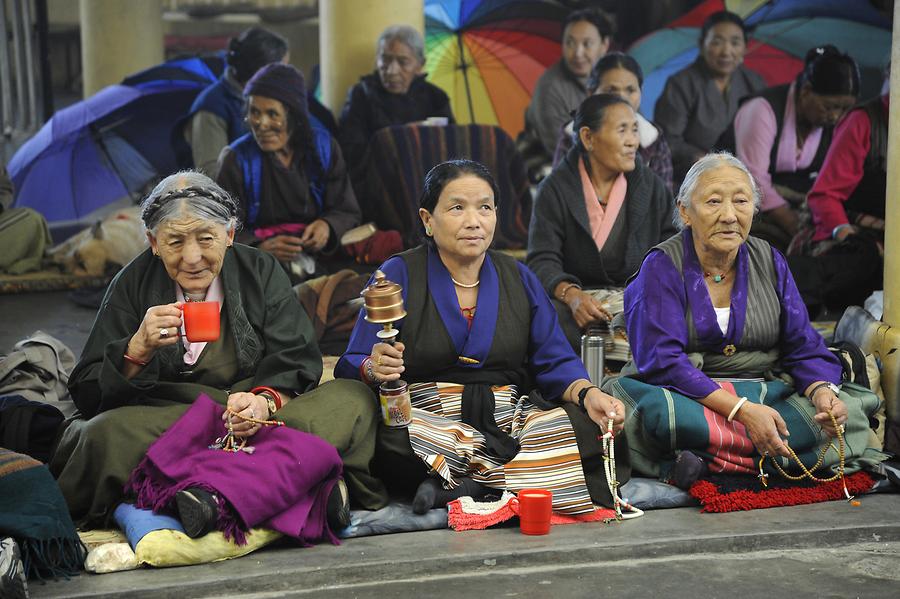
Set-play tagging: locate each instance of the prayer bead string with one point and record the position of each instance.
(231, 443)
(808, 472)
(609, 468)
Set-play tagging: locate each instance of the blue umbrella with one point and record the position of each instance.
(105, 148)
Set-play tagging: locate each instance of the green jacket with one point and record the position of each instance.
(267, 338)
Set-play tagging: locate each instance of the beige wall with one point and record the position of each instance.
(118, 37)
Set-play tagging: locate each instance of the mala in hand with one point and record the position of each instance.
(609, 468)
(808, 472)
(234, 444)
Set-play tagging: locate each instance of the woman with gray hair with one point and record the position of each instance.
(139, 373)
(715, 322)
(395, 94)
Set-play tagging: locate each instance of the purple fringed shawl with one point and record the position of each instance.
(283, 485)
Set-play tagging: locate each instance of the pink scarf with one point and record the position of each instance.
(602, 221)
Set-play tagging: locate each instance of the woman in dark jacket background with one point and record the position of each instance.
(596, 215)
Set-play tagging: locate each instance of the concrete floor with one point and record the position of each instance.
(822, 550)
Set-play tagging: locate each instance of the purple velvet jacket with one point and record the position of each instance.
(657, 301)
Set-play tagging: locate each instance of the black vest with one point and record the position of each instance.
(801, 180)
(430, 353)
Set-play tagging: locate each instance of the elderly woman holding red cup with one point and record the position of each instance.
(138, 374)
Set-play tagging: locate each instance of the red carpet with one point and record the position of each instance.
(719, 493)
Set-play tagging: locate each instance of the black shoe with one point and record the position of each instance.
(12, 573)
(337, 511)
(689, 467)
(198, 511)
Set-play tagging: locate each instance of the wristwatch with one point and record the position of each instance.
(831, 386)
(582, 395)
(270, 402)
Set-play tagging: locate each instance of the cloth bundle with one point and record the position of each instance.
(283, 485)
(34, 513)
(467, 514)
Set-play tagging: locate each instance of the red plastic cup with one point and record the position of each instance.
(201, 321)
(535, 507)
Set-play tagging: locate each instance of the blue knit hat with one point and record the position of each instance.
(281, 82)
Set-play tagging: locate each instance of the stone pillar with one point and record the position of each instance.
(118, 37)
(888, 338)
(348, 31)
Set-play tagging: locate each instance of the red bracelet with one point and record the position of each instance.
(276, 396)
(134, 360)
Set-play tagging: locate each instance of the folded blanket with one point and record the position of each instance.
(34, 513)
(283, 485)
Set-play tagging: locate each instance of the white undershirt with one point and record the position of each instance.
(722, 317)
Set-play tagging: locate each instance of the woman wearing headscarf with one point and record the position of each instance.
(290, 176)
(138, 373)
(216, 117)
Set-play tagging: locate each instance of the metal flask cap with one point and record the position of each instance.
(383, 300)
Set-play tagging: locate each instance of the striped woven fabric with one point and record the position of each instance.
(11, 461)
(548, 456)
(659, 422)
(399, 157)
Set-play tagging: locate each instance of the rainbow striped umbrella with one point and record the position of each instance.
(488, 55)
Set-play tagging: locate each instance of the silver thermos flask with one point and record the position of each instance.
(592, 354)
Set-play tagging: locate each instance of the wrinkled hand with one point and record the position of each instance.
(387, 361)
(601, 407)
(825, 400)
(285, 248)
(765, 427)
(248, 405)
(315, 235)
(585, 309)
(149, 336)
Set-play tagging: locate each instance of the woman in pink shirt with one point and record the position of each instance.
(783, 134)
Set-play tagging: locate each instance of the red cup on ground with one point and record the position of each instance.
(535, 507)
(201, 321)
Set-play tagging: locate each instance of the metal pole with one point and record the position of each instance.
(30, 65)
(19, 65)
(43, 33)
(892, 201)
(6, 116)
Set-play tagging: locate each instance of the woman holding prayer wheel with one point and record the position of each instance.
(500, 400)
(138, 374)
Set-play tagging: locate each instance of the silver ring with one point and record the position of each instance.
(163, 332)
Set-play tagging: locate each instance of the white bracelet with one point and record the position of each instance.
(735, 409)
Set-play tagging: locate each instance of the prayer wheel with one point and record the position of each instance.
(384, 301)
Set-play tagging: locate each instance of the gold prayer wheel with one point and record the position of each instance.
(383, 300)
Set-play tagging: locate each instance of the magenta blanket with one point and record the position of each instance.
(283, 485)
